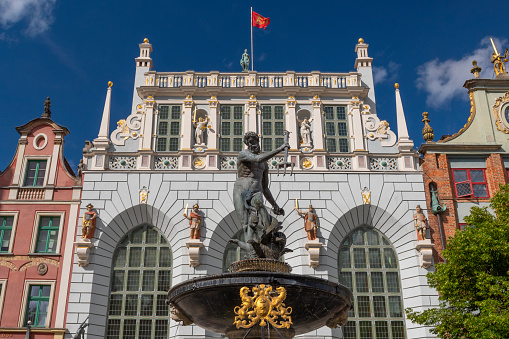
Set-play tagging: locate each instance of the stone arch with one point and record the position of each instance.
(95, 280)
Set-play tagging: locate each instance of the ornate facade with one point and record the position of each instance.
(39, 199)
(179, 147)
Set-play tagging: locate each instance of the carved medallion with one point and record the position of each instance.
(42, 268)
(500, 103)
(199, 162)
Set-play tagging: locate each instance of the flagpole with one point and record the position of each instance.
(251, 24)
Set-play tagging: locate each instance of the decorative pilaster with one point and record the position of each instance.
(357, 130)
(187, 124)
(291, 122)
(252, 124)
(148, 128)
(212, 138)
(317, 124)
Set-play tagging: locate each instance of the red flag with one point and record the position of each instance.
(260, 21)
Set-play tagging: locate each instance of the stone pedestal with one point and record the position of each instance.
(83, 247)
(313, 247)
(425, 249)
(194, 246)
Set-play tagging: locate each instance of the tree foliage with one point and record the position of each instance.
(473, 283)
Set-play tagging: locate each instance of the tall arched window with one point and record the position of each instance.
(232, 252)
(140, 281)
(368, 266)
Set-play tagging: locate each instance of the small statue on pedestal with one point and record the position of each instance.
(420, 221)
(305, 132)
(244, 62)
(194, 222)
(88, 225)
(199, 132)
(310, 221)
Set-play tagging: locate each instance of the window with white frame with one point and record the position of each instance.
(37, 303)
(3, 285)
(273, 126)
(470, 183)
(336, 129)
(168, 128)
(8, 222)
(47, 234)
(232, 128)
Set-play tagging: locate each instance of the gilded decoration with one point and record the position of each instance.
(199, 162)
(29, 262)
(264, 307)
(469, 121)
(122, 162)
(307, 163)
(499, 103)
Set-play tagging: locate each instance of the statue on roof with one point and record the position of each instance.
(499, 61)
(47, 110)
(244, 62)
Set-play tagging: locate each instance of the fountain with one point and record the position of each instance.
(259, 296)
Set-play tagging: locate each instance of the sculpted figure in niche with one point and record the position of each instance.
(420, 222)
(305, 132)
(251, 186)
(199, 132)
(88, 224)
(194, 222)
(310, 221)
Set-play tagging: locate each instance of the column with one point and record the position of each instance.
(252, 119)
(291, 122)
(186, 129)
(214, 130)
(356, 127)
(148, 130)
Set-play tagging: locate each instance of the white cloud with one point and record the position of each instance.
(443, 80)
(389, 73)
(37, 13)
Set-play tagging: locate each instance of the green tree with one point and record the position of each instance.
(474, 281)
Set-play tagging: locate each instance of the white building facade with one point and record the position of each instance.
(179, 147)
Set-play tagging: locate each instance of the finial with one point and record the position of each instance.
(110, 83)
(427, 131)
(47, 110)
(476, 69)
(396, 86)
(145, 40)
(361, 40)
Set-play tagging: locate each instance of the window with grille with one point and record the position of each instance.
(368, 266)
(37, 305)
(336, 129)
(168, 128)
(273, 126)
(470, 183)
(36, 171)
(6, 223)
(141, 278)
(232, 128)
(47, 235)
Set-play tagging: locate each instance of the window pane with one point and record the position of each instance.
(267, 128)
(145, 329)
(174, 145)
(151, 236)
(43, 314)
(398, 330)
(118, 281)
(225, 128)
(379, 306)
(375, 260)
(148, 280)
(382, 330)
(395, 307)
(346, 279)
(266, 112)
(237, 144)
(329, 113)
(331, 145)
(358, 237)
(161, 331)
(361, 280)
(237, 112)
(278, 112)
(113, 329)
(267, 145)
(480, 190)
(164, 281)
(377, 282)
(341, 113)
(135, 257)
(175, 128)
(460, 175)
(161, 307)
(115, 304)
(392, 281)
(237, 128)
(5, 240)
(342, 129)
(364, 308)
(390, 258)
(131, 304)
(163, 112)
(133, 280)
(329, 129)
(225, 112)
(359, 258)
(137, 237)
(46, 291)
(146, 304)
(175, 112)
(150, 257)
(343, 145)
(349, 330)
(52, 241)
(463, 189)
(120, 258)
(366, 330)
(161, 144)
(163, 127)
(373, 239)
(278, 128)
(477, 176)
(278, 142)
(225, 145)
(130, 328)
(344, 258)
(164, 257)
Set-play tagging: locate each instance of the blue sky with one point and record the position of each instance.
(69, 50)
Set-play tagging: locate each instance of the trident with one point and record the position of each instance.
(284, 164)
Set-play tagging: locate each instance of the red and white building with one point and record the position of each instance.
(39, 204)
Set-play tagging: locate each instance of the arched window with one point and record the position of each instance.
(232, 252)
(141, 278)
(368, 266)
(506, 114)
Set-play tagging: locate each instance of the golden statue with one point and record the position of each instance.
(499, 61)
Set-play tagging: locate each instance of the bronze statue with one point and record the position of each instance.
(47, 110)
(88, 225)
(310, 221)
(244, 62)
(251, 185)
(194, 222)
(81, 167)
(420, 221)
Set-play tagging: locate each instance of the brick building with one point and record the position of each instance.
(39, 199)
(467, 168)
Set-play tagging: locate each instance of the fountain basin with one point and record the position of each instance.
(209, 301)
